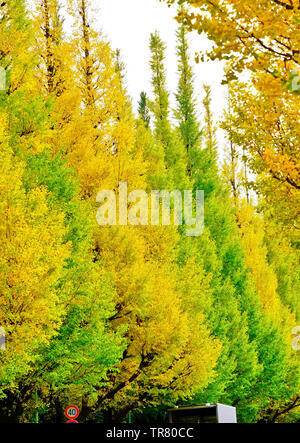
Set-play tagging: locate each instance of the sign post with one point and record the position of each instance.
(72, 412)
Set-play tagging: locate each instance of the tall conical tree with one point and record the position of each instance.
(186, 105)
(238, 365)
(143, 109)
(209, 125)
(261, 375)
(34, 249)
(156, 329)
(33, 254)
(170, 138)
(66, 292)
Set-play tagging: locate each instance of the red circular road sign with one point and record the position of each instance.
(72, 421)
(72, 412)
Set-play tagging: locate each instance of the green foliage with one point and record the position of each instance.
(185, 113)
(120, 319)
(168, 137)
(144, 110)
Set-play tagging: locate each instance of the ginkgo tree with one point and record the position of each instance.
(163, 346)
(263, 39)
(54, 297)
(119, 319)
(33, 252)
(273, 145)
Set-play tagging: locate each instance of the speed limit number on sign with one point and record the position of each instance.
(72, 412)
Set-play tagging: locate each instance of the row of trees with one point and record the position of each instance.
(120, 319)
